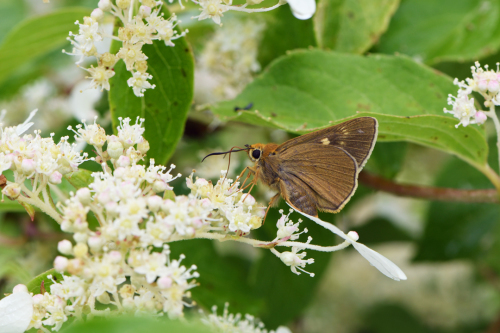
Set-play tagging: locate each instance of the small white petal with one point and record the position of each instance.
(384, 265)
(302, 9)
(16, 311)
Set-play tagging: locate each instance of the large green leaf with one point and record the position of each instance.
(165, 107)
(131, 324)
(11, 12)
(352, 26)
(80, 178)
(307, 90)
(444, 30)
(35, 285)
(37, 36)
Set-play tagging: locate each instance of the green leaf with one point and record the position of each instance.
(380, 230)
(307, 90)
(165, 107)
(34, 286)
(442, 30)
(283, 32)
(11, 12)
(352, 26)
(128, 324)
(37, 36)
(80, 178)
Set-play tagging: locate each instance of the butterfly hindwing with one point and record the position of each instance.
(319, 175)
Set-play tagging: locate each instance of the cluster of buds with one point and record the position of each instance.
(138, 29)
(486, 82)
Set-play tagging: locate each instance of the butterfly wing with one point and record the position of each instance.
(356, 136)
(316, 176)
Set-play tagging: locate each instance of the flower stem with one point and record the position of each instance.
(493, 115)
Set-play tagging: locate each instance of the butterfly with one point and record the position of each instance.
(317, 171)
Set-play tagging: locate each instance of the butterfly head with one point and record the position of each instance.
(259, 151)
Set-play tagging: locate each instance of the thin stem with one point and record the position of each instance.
(319, 248)
(44, 207)
(493, 115)
(253, 10)
(434, 193)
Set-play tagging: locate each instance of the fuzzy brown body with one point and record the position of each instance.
(318, 170)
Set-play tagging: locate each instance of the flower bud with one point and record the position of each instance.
(60, 264)
(104, 298)
(127, 291)
(75, 266)
(154, 203)
(482, 85)
(95, 243)
(123, 161)
(480, 117)
(20, 288)
(160, 186)
(143, 146)
(28, 166)
(289, 258)
(115, 149)
(115, 257)
(104, 5)
(65, 247)
(145, 11)
(248, 199)
(493, 86)
(97, 14)
(164, 282)
(255, 222)
(108, 59)
(353, 235)
(83, 195)
(37, 299)
(123, 4)
(13, 190)
(80, 237)
(80, 250)
(55, 178)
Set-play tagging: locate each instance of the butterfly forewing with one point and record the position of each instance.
(356, 136)
(323, 176)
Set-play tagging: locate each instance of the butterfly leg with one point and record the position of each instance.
(272, 202)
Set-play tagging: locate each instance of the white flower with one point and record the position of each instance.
(131, 53)
(153, 266)
(100, 76)
(462, 108)
(130, 135)
(16, 311)
(302, 9)
(211, 9)
(295, 260)
(138, 82)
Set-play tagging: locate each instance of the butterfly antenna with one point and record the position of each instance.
(225, 152)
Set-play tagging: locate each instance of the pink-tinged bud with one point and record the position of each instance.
(37, 299)
(83, 195)
(65, 247)
(201, 182)
(480, 117)
(55, 178)
(164, 282)
(95, 243)
(143, 146)
(97, 14)
(103, 198)
(12, 191)
(145, 11)
(20, 288)
(206, 203)
(493, 86)
(154, 203)
(482, 85)
(123, 161)
(28, 166)
(353, 235)
(119, 172)
(60, 264)
(248, 199)
(75, 266)
(197, 223)
(190, 231)
(115, 257)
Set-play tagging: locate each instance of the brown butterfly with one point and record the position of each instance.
(315, 171)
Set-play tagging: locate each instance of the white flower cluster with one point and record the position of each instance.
(147, 25)
(485, 82)
(39, 159)
(230, 323)
(232, 210)
(231, 56)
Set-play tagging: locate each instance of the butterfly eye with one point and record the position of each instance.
(256, 154)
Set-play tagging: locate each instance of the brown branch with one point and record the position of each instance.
(428, 192)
